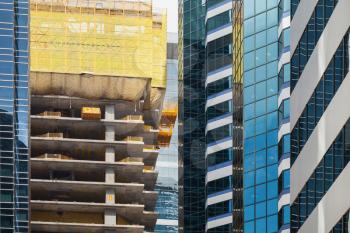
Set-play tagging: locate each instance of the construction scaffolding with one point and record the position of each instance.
(125, 38)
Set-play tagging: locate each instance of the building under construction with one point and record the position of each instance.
(98, 77)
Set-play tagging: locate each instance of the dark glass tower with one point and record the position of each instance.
(14, 177)
(210, 70)
(192, 116)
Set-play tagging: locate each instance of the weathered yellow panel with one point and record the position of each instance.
(80, 38)
(89, 113)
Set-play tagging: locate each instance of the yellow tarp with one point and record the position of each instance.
(78, 39)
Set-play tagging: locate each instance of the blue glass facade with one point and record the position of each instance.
(260, 115)
(14, 101)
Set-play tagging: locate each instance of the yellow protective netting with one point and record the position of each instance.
(124, 38)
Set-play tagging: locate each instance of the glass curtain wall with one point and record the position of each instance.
(14, 103)
(260, 116)
(192, 118)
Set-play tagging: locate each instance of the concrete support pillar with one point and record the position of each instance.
(110, 176)
(110, 155)
(110, 112)
(110, 133)
(110, 115)
(110, 216)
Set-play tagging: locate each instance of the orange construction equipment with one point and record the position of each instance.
(164, 136)
(169, 117)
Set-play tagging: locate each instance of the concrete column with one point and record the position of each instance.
(110, 115)
(110, 176)
(110, 155)
(110, 216)
(110, 112)
(110, 133)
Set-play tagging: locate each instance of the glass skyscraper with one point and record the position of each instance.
(319, 116)
(220, 127)
(211, 123)
(260, 116)
(14, 101)
(295, 114)
(192, 99)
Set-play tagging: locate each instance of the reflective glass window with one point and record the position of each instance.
(249, 60)
(286, 179)
(261, 225)
(260, 39)
(260, 192)
(249, 78)
(249, 213)
(219, 20)
(6, 16)
(272, 103)
(260, 126)
(249, 162)
(260, 22)
(249, 27)
(261, 210)
(249, 111)
(272, 224)
(272, 121)
(249, 196)
(249, 94)
(272, 189)
(286, 214)
(249, 43)
(272, 34)
(249, 178)
(249, 129)
(260, 176)
(249, 7)
(260, 56)
(261, 158)
(260, 107)
(260, 90)
(272, 172)
(272, 17)
(260, 6)
(260, 73)
(272, 206)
